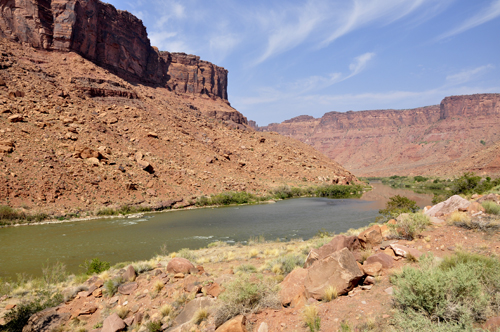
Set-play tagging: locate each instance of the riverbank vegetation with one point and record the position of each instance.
(466, 184)
(10, 216)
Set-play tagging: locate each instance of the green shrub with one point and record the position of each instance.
(419, 178)
(94, 266)
(106, 212)
(18, 317)
(491, 207)
(54, 274)
(451, 295)
(187, 254)
(111, 286)
(245, 295)
(288, 262)
(8, 216)
(246, 268)
(396, 206)
(153, 326)
(412, 224)
(339, 191)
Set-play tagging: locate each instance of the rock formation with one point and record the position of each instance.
(114, 39)
(404, 142)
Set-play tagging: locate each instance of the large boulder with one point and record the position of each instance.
(130, 274)
(293, 286)
(339, 270)
(452, 204)
(370, 237)
(382, 258)
(337, 243)
(127, 288)
(113, 323)
(236, 324)
(46, 320)
(179, 265)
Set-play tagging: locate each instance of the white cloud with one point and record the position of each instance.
(360, 63)
(467, 75)
(487, 14)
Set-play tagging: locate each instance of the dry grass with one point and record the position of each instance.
(253, 253)
(330, 294)
(166, 310)
(200, 316)
(311, 318)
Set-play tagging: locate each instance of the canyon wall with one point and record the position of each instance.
(404, 142)
(111, 38)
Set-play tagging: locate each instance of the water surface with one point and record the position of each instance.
(26, 249)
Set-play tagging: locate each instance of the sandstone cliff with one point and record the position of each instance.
(414, 141)
(111, 38)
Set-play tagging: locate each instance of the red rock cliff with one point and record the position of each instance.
(111, 38)
(414, 141)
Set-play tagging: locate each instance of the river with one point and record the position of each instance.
(27, 249)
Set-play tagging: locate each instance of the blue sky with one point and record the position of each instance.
(288, 58)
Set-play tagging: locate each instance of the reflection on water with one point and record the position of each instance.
(26, 249)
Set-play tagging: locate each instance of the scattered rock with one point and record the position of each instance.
(382, 258)
(46, 320)
(372, 269)
(130, 274)
(339, 270)
(113, 323)
(236, 324)
(337, 243)
(293, 285)
(370, 237)
(450, 205)
(127, 288)
(16, 118)
(179, 265)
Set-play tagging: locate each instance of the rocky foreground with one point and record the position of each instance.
(347, 281)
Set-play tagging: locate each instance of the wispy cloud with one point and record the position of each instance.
(485, 15)
(467, 75)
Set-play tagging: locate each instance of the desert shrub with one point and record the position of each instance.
(282, 192)
(311, 318)
(398, 205)
(107, 212)
(411, 224)
(461, 290)
(246, 295)
(153, 326)
(217, 244)
(246, 268)
(322, 233)
(166, 310)
(465, 184)
(111, 286)
(231, 197)
(54, 274)
(94, 266)
(8, 215)
(18, 317)
(187, 254)
(491, 207)
(420, 178)
(141, 267)
(128, 209)
(200, 316)
(285, 264)
(339, 191)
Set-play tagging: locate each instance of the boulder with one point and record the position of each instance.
(293, 285)
(214, 290)
(371, 237)
(339, 270)
(450, 205)
(127, 288)
(130, 274)
(236, 324)
(490, 197)
(372, 269)
(192, 307)
(46, 320)
(16, 118)
(401, 250)
(339, 242)
(179, 265)
(475, 207)
(382, 258)
(113, 323)
(492, 324)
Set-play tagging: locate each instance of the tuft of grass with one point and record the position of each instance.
(141, 267)
(246, 295)
(153, 326)
(491, 207)
(111, 286)
(166, 310)
(448, 296)
(330, 294)
(200, 316)
(458, 217)
(122, 312)
(158, 286)
(187, 254)
(286, 264)
(345, 326)
(412, 224)
(246, 268)
(252, 253)
(311, 318)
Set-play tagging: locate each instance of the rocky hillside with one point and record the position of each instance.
(404, 142)
(113, 39)
(78, 135)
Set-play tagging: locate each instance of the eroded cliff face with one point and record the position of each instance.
(405, 142)
(114, 39)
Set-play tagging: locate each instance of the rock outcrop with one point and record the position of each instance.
(425, 140)
(111, 38)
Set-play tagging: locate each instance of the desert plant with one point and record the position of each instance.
(311, 318)
(111, 286)
(285, 264)
(53, 274)
(245, 295)
(200, 316)
(166, 310)
(398, 205)
(459, 291)
(246, 268)
(411, 224)
(187, 254)
(491, 207)
(122, 312)
(153, 326)
(330, 294)
(95, 265)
